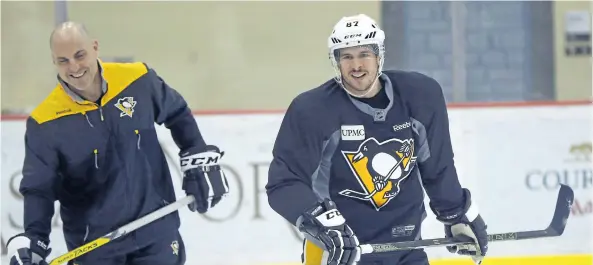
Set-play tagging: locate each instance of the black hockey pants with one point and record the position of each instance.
(168, 250)
(412, 257)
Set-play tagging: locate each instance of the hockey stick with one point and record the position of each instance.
(122, 231)
(556, 228)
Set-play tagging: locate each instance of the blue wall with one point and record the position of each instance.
(500, 39)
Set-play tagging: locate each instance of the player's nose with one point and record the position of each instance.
(73, 67)
(357, 65)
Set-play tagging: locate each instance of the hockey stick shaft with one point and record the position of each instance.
(556, 228)
(124, 230)
(442, 242)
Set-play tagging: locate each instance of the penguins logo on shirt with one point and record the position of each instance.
(380, 168)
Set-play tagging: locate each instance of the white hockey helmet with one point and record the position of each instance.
(355, 31)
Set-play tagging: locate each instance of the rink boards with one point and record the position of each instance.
(512, 158)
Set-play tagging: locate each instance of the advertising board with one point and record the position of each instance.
(512, 159)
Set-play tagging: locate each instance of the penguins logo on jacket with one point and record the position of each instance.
(380, 168)
(126, 105)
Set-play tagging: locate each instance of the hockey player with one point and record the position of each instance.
(353, 155)
(92, 146)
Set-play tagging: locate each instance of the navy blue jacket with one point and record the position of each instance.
(103, 162)
(331, 145)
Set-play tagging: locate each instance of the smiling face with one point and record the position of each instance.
(75, 57)
(359, 67)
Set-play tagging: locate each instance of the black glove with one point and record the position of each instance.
(324, 225)
(203, 177)
(27, 250)
(467, 224)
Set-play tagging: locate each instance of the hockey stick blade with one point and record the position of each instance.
(556, 228)
(124, 230)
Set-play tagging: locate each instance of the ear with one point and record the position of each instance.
(96, 45)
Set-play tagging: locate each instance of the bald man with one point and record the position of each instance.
(92, 146)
